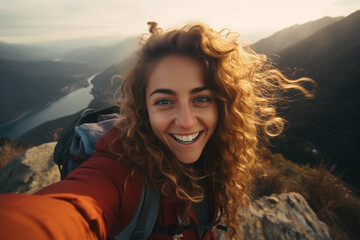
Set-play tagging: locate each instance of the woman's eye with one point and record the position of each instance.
(163, 102)
(202, 99)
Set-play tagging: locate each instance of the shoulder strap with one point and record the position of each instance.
(143, 221)
(148, 214)
(173, 230)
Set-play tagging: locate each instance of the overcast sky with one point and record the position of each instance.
(43, 20)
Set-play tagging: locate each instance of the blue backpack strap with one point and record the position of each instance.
(143, 221)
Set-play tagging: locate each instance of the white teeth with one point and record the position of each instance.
(188, 138)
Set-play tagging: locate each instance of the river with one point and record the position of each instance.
(67, 105)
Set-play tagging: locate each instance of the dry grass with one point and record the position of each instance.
(329, 197)
(10, 149)
(54, 135)
(334, 204)
(268, 180)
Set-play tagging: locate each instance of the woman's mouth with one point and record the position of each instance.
(186, 139)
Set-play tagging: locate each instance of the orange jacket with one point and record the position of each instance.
(95, 201)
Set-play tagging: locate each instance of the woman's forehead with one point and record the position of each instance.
(176, 72)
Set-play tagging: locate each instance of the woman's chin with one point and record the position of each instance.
(188, 158)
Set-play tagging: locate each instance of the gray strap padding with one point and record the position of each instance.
(143, 221)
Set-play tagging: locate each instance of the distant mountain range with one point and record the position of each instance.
(324, 128)
(56, 50)
(25, 86)
(102, 57)
(97, 56)
(28, 81)
(289, 36)
(23, 52)
(103, 91)
(68, 45)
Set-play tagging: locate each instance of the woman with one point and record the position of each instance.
(192, 110)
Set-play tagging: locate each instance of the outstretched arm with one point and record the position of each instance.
(91, 203)
(49, 217)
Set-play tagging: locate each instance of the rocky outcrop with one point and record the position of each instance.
(285, 216)
(30, 171)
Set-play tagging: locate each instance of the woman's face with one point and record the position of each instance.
(182, 110)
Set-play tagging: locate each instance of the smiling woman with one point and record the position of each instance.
(182, 111)
(199, 96)
(193, 109)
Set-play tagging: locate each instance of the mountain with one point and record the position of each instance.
(103, 90)
(289, 36)
(326, 128)
(67, 45)
(97, 52)
(102, 56)
(29, 85)
(105, 85)
(23, 52)
(25, 86)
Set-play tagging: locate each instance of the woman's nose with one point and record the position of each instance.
(185, 117)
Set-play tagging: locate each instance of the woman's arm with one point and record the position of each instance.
(49, 217)
(91, 203)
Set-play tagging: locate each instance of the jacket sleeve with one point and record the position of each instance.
(47, 217)
(95, 201)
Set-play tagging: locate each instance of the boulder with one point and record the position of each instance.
(284, 216)
(30, 171)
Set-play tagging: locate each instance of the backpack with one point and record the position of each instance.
(143, 221)
(79, 139)
(62, 156)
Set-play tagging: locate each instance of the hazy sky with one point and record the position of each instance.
(43, 20)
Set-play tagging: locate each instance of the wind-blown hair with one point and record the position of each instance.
(245, 87)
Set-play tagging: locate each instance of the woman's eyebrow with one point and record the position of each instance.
(171, 92)
(199, 89)
(162, 90)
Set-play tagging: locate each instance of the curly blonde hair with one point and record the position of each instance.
(245, 86)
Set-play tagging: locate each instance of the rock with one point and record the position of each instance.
(284, 216)
(31, 171)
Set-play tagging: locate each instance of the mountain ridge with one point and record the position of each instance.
(102, 56)
(327, 124)
(291, 35)
(37, 84)
(23, 52)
